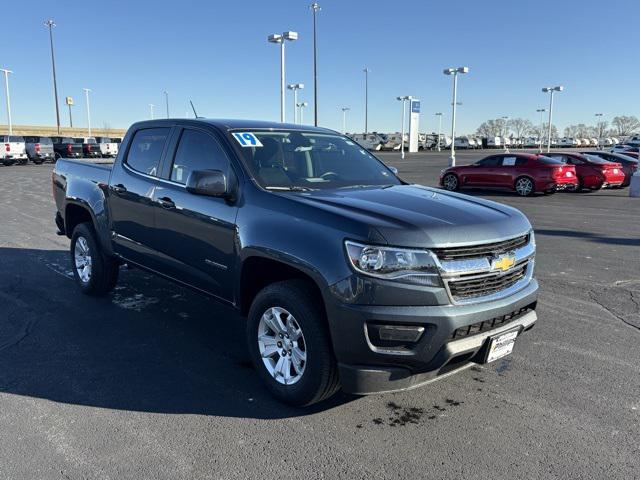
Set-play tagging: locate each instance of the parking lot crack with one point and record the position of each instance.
(594, 298)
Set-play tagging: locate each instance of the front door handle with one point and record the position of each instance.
(119, 188)
(166, 202)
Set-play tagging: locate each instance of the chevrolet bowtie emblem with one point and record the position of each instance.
(503, 262)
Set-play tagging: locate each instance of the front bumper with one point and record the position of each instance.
(367, 368)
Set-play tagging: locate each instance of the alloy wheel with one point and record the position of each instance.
(82, 259)
(281, 345)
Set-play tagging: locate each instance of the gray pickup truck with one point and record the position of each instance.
(347, 275)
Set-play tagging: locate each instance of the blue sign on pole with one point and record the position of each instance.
(415, 106)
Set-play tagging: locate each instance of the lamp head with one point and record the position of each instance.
(275, 38)
(290, 36)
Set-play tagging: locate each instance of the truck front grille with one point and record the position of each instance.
(485, 250)
(490, 324)
(485, 284)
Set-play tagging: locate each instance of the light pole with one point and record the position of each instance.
(439, 115)
(454, 72)
(6, 91)
(541, 112)
(280, 39)
(599, 127)
(344, 119)
(295, 87)
(301, 106)
(69, 102)
(404, 100)
(505, 132)
(366, 100)
(151, 105)
(86, 96)
(550, 91)
(315, 8)
(51, 24)
(166, 101)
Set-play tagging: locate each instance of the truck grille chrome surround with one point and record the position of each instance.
(481, 273)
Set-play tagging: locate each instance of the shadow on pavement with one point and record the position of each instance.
(149, 346)
(592, 237)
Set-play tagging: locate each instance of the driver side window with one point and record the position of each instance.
(489, 162)
(197, 151)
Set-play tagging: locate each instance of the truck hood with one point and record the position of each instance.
(417, 216)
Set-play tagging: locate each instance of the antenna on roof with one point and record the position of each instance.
(194, 110)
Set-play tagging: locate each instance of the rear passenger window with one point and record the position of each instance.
(508, 161)
(146, 150)
(197, 151)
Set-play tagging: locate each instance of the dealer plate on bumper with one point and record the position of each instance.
(501, 345)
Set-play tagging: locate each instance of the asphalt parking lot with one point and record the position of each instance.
(154, 380)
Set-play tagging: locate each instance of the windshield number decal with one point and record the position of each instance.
(247, 139)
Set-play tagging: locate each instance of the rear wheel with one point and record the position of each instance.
(524, 186)
(450, 182)
(94, 272)
(7, 162)
(289, 344)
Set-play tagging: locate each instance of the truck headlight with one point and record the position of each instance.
(417, 267)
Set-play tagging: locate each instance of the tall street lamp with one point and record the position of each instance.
(166, 101)
(151, 105)
(344, 119)
(541, 112)
(366, 100)
(404, 100)
(51, 24)
(86, 96)
(69, 102)
(454, 72)
(315, 8)
(295, 87)
(551, 91)
(301, 106)
(280, 39)
(6, 92)
(439, 115)
(599, 126)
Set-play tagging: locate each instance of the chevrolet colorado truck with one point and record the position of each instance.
(347, 275)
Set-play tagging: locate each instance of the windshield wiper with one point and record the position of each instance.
(293, 188)
(365, 186)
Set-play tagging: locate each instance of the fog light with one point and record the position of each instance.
(400, 333)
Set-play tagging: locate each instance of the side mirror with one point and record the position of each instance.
(394, 170)
(212, 183)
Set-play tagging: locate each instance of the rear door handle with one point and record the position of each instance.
(119, 188)
(166, 202)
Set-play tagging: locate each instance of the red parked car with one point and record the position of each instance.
(628, 160)
(593, 173)
(524, 173)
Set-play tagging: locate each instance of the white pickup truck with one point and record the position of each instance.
(13, 149)
(108, 148)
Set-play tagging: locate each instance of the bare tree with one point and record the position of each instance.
(625, 125)
(542, 130)
(521, 127)
(601, 129)
(491, 128)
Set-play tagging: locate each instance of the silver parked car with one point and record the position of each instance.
(39, 149)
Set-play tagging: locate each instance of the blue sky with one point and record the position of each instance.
(216, 53)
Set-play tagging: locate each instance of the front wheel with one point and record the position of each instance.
(524, 186)
(289, 344)
(94, 272)
(450, 182)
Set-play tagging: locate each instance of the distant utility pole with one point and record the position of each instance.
(315, 8)
(366, 99)
(344, 119)
(151, 105)
(6, 91)
(86, 95)
(51, 24)
(166, 100)
(69, 102)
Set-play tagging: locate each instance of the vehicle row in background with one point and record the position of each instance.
(527, 173)
(19, 149)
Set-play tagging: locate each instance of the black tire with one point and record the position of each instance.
(38, 161)
(57, 157)
(524, 192)
(104, 270)
(319, 379)
(7, 163)
(450, 182)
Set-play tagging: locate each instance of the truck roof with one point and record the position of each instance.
(233, 124)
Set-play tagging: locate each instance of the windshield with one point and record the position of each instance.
(309, 161)
(598, 160)
(549, 161)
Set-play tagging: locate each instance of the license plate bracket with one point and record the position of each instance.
(500, 345)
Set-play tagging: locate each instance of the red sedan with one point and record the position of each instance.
(593, 173)
(523, 173)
